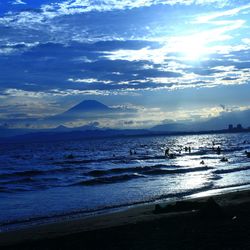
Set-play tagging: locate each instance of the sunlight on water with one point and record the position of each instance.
(194, 180)
(50, 179)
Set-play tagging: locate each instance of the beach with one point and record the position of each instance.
(145, 227)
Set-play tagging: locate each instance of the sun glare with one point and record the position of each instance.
(191, 47)
(193, 50)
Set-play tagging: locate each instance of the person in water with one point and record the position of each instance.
(224, 159)
(166, 151)
(218, 150)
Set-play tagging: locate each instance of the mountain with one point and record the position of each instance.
(87, 109)
(87, 112)
(87, 106)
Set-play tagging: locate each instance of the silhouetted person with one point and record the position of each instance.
(186, 149)
(218, 150)
(189, 150)
(224, 159)
(166, 151)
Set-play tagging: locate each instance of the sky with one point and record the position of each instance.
(167, 60)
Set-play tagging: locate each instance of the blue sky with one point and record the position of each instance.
(171, 60)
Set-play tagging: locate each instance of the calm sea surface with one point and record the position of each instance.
(42, 182)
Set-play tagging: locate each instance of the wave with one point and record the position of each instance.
(35, 172)
(231, 170)
(103, 172)
(22, 173)
(18, 181)
(176, 171)
(4, 190)
(8, 224)
(215, 177)
(108, 180)
(138, 172)
(233, 185)
(120, 159)
(148, 170)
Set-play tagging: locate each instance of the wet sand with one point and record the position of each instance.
(223, 223)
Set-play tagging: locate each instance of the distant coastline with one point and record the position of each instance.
(50, 135)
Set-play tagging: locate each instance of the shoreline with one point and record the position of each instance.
(118, 221)
(71, 216)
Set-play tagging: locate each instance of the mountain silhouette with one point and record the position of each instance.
(87, 110)
(88, 106)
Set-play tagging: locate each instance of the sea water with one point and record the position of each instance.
(44, 182)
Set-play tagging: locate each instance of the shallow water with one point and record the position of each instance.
(40, 182)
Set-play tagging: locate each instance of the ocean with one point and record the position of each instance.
(47, 182)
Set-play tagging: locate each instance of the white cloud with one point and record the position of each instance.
(231, 12)
(55, 22)
(198, 45)
(88, 80)
(147, 54)
(246, 41)
(70, 7)
(18, 2)
(24, 20)
(13, 47)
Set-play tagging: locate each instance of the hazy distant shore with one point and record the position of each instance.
(50, 135)
(142, 228)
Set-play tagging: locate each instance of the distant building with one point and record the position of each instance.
(239, 127)
(230, 127)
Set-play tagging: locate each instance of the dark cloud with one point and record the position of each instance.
(50, 65)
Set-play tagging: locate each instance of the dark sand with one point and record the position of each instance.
(228, 227)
